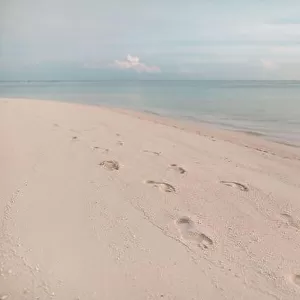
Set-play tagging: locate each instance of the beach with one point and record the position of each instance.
(106, 203)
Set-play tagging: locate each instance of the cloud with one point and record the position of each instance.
(133, 62)
(269, 64)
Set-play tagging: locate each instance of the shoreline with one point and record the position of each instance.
(105, 203)
(216, 125)
(230, 128)
(258, 142)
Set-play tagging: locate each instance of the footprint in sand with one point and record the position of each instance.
(287, 218)
(296, 279)
(74, 138)
(152, 152)
(177, 169)
(234, 184)
(110, 165)
(188, 232)
(104, 150)
(120, 143)
(166, 187)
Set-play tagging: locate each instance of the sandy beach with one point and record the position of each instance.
(102, 203)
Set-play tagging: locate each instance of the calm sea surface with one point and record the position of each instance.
(270, 108)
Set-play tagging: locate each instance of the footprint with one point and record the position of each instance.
(236, 185)
(152, 152)
(290, 220)
(177, 168)
(104, 150)
(166, 187)
(296, 279)
(120, 143)
(110, 165)
(74, 138)
(187, 230)
(185, 223)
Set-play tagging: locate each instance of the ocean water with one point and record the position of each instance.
(268, 108)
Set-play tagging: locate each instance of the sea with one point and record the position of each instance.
(267, 108)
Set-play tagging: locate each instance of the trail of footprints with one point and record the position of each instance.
(186, 227)
(113, 165)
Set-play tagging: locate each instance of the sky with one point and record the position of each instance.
(169, 39)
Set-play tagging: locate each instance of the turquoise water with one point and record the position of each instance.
(270, 108)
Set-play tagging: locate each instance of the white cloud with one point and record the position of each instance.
(269, 64)
(133, 62)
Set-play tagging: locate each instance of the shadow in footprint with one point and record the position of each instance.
(120, 143)
(188, 232)
(234, 184)
(185, 223)
(290, 220)
(104, 150)
(110, 165)
(166, 187)
(152, 152)
(177, 169)
(296, 279)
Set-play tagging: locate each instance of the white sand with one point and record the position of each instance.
(73, 227)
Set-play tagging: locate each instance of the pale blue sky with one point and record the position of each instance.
(193, 39)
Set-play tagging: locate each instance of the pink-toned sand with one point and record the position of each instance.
(100, 203)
